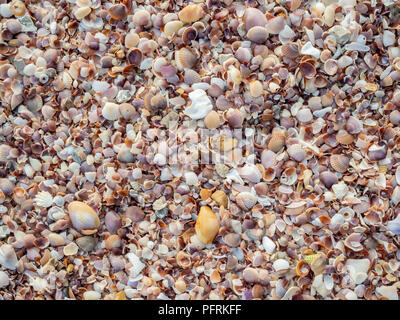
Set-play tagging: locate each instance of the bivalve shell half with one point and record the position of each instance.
(185, 59)
(191, 13)
(302, 268)
(281, 265)
(254, 17)
(331, 67)
(339, 162)
(275, 25)
(83, 217)
(207, 225)
(258, 34)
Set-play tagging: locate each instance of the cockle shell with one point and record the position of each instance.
(83, 218)
(44, 199)
(207, 225)
(201, 105)
(251, 173)
(339, 162)
(212, 120)
(297, 152)
(110, 111)
(191, 13)
(185, 59)
(220, 198)
(277, 141)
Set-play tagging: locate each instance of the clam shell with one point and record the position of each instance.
(258, 34)
(268, 159)
(277, 141)
(44, 199)
(191, 13)
(297, 152)
(82, 216)
(281, 265)
(185, 59)
(207, 225)
(8, 258)
(118, 11)
(254, 17)
(302, 268)
(275, 25)
(308, 70)
(290, 50)
(343, 137)
(6, 186)
(212, 120)
(234, 118)
(328, 178)
(268, 244)
(331, 67)
(377, 152)
(246, 200)
(251, 173)
(110, 111)
(172, 27)
(353, 125)
(339, 162)
(141, 18)
(289, 176)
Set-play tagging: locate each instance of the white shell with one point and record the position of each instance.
(110, 111)
(138, 265)
(281, 265)
(251, 173)
(201, 105)
(4, 279)
(394, 225)
(268, 245)
(44, 199)
(91, 295)
(191, 178)
(389, 292)
(308, 49)
(358, 269)
(388, 38)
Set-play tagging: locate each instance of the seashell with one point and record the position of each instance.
(250, 275)
(6, 186)
(308, 70)
(110, 111)
(188, 35)
(388, 38)
(185, 59)
(172, 27)
(339, 162)
(83, 218)
(118, 11)
(82, 12)
(8, 258)
(388, 292)
(113, 241)
(394, 225)
(243, 55)
(70, 249)
(191, 13)
(251, 173)
(191, 178)
(135, 214)
(14, 26)
(55, 239)
(91, 295)
(18, 8)
(281, 265)
(141, 18)
(232, 239)
(275, 25)
(302, 268)
(4, 279)
(308, 49)
(44, 199)
(353, 242)
(394, 117)
(256, 88)
(246, 200)
(191, 77)
(290, 50)
(234, 118)
(127, 111)
(268, 244)
(269, 174)
(207, 225)
(297, 152)
(220, 198)
(201, 105)
(86, 243)
(295, 208)
(331, 67)
(277, 141)
(353, 125)
(135, 57)
(343, 137)
(253, 17)
(212, 120)
(257, 34)
(268, 159)
(4, 153)
(112, 221)
(357, 267)
(318, 263)
(286, 35)
(328, 178)
(158, 102)
(289, 176)
(377, 152)
(183, 259)
(131, 40)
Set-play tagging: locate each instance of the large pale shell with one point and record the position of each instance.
(8, 258)
(357, 267)
(343, 137)
(290, 50)
(297, 152)
(246, 200)
(201, 105)
(207, 225)
(110, 111)
(275, 25)
(83, 217)
(281, 265)
(254, 17)
(191, 13)
(268, 158)
(258, 34)
(251, 173)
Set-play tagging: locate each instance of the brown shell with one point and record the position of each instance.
(308, 70)
(135, 57)
(118, 11)
(343, 137)
(277, 141)
(302, 268)
(185, 58)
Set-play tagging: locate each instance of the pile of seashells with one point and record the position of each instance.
(204, 149)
